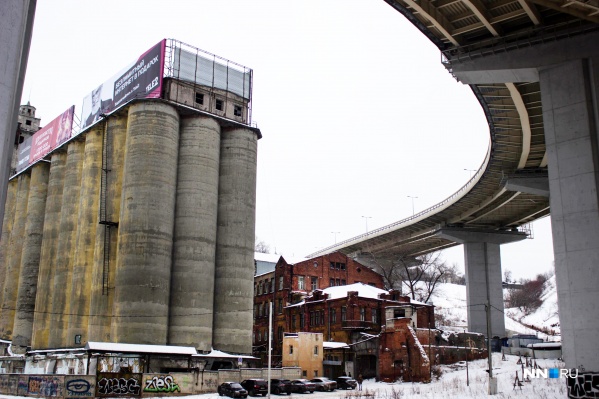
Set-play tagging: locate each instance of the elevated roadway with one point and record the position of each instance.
(534, 67)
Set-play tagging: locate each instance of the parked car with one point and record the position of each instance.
(324, 384)
(280, 386)
(344, 382)
(302, 386)
(232, 389)
(255, 386)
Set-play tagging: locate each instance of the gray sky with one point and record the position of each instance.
(356, 109)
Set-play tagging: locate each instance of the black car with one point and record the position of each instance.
(255, 386)
(344, 382)
(302, 386)
(324, 384)
(232, 389)
(280, 386)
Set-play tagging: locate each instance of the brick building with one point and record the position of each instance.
(337, 297)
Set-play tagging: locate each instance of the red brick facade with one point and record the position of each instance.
(304, 302)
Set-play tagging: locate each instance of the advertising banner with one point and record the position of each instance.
(50, 136)
(45, 140)
(140, 79)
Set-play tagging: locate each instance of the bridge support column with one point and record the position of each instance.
(569, 94)
(483, 275)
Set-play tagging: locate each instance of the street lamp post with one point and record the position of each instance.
(335, 233)
(409, 196)
(366, 219)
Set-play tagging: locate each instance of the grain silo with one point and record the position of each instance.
(139, 227)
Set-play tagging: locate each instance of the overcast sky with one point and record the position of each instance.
(356, 110)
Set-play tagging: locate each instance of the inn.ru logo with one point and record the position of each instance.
(550, 373)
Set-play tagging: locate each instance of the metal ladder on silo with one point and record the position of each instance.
(108, 225)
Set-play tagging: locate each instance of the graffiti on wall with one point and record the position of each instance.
(46, 386)
(9, 384)
(585, 385)
(79, 386)
(118, 385)
(163, 384)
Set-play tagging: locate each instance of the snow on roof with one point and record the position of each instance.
(545, 345)
(262, 257)
(163, 349)
(334, 345)
(217, 353)
(364, 291)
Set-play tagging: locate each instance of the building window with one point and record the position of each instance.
(362, 314)
(280, 283)
(343, 313)
(291, 349)
(300, 282)
(219, 104)
(316, 318)
(399, 313)
(272, 284)
(315, 373)
(314, 283)
(374, 317)
(343, 282)
(237, 110)
(311, 318)
(260, 310)
(337, 282)
(301, 321)
(332, 265)
(304, 373)
(342, 265)
(333, 316)
(28, 122)
(255, 289)
(280, 333)
(293, 322)
(280, 306)
(199, 98)
(332, 282)
(316, 350)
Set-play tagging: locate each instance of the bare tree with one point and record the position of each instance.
(422, 275)
(261, 247)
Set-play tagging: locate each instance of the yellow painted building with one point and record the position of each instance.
(304, 350)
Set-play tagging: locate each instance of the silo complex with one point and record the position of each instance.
(139, 228)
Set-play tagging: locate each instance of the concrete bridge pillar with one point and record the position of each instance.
(570, 114)
(483, 275)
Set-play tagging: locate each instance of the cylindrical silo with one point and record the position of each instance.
(9, 215)
(48, 258)
(102, 289)
(143, 270)
(69, 214)
(30, 258)
(234, 283)
(87, 222)
(13, 258)
(192, 288)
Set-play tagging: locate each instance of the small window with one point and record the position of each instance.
(237, 110)
(333, 316)
(280, 306)
(362, 314)
(304, 373)
(315, 373)
(280, 283)
(343, 282)
(199, 98)
(343, 313)
(332, 282)
(399, 313)
(314, 283)
(300, 282)
(280, 333)
(291, 349)
(28, 122)
(316, 350)
(219, 104)
(374, 316)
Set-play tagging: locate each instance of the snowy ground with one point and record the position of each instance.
(450, 302)
(451, 385)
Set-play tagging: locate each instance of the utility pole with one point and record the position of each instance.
(409, 196)
(269, 344)
(366, 218)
